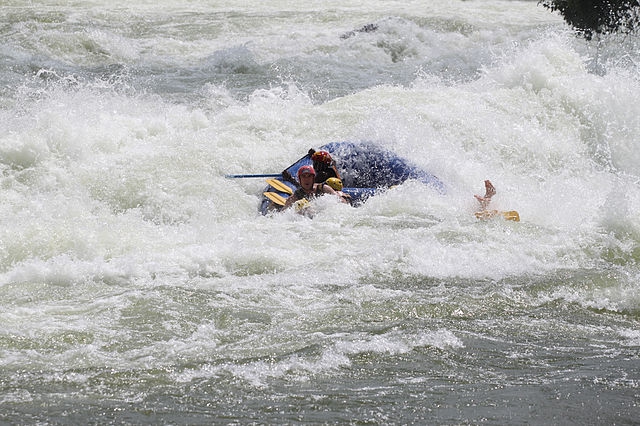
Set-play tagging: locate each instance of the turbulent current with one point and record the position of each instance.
(139, 285)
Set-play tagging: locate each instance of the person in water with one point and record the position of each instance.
(336, 184)
(490, 191)
(324, 166)
(483, 213)
(309, 189)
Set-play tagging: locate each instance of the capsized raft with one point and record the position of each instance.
(364, 169)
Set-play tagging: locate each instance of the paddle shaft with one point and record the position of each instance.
(263, 175)
(266, 175)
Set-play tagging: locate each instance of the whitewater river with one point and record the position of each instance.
(138, 285)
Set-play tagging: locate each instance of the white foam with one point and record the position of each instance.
(115, 205)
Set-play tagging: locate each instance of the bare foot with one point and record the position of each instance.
(490, 191)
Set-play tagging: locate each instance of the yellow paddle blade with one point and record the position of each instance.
(280, 186)
(488, 214)
(511, 215)
(276, 198)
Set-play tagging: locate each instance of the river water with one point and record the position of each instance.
(139, 285)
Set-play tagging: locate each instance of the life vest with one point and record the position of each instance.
(301, 193)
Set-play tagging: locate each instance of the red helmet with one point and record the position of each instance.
(306, 169)
(321, 157)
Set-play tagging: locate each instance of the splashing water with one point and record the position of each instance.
(140, 286)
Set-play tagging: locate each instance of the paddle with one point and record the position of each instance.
(263, 175)
(511, 215)
(508, 215)
(280, 186)
(285, 175)
(275, 197)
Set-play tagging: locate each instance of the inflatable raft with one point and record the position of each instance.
(364, 170)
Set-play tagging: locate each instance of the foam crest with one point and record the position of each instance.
(301, 366)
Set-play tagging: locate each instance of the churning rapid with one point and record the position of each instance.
(139, 285)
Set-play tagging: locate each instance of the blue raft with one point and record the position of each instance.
(364, 169)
